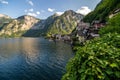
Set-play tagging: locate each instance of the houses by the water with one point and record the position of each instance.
(84, 31)
(61, 37)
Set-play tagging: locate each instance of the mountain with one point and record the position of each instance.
(4, 19)
(29, 26)
(103, 10)
(56, 24)
(4, 16)
(28, 22)
(16, 27)
(42, 27)
(62, 24)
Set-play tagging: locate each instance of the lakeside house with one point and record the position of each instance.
(81, 30)
(61, 37)
(56, 36)
(81, 25)
(66, 38)
(85, 31)
(97, 24)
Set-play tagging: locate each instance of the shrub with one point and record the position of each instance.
(113, 25)
(98, 59)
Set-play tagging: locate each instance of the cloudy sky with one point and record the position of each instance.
(44, 8)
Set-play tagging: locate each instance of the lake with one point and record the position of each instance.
(33, 59)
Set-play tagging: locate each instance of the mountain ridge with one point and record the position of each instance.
(54, 24)
(65, 23)
(5, 16)
(16, 27)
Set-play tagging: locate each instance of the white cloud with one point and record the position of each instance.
(31, 3)
(32, 14)
(51, 10)
(31, 10)
(37, 12)
(84, 10)
(3, 2)
(59, 13)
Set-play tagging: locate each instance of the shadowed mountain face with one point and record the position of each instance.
(29, 26)
(42, 27)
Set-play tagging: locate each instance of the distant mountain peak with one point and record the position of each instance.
(5, 16)
(69, 11)
(26, 16)
(58, 23)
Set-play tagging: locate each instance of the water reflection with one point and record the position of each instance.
(32, 59)
(30, 50)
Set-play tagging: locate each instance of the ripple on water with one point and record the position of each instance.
(32, 59)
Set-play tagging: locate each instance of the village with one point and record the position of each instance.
(83, 31)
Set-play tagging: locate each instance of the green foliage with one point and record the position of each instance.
(113, 25)
(99, 59)
(102, 10)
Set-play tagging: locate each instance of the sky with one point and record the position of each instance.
(45, 8)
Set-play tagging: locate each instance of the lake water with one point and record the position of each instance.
(33, 59)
